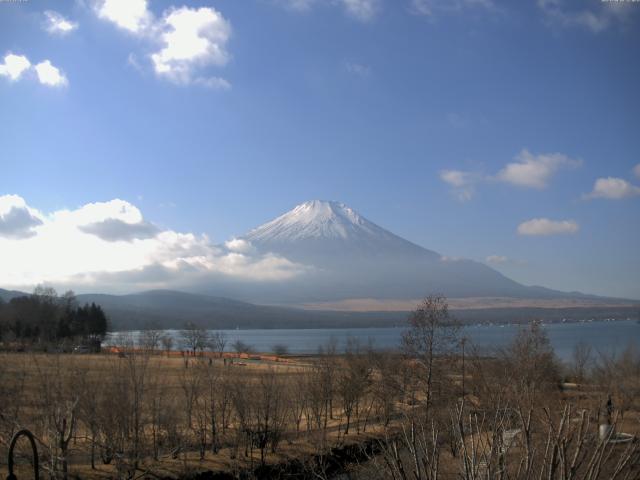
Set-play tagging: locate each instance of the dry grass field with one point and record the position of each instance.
(175, 404)
(145, 413)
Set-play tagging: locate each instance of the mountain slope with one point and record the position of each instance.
(171, 309)
(353, 257)
(7, 295)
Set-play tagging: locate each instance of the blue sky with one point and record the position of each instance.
(506, 132)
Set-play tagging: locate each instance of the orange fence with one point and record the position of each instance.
(190, 354)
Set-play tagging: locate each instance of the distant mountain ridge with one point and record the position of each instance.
(7, 295)
(168, 309)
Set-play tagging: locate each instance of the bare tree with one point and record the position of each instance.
(194, 338)
(167, 343)
(326, 369)
(620, 376)
(280, 349)
(269, 413)
(241, 347)
(353, 381)
(92, 389)
(297, 398)
(531, 363)
(150, 337)
(59, 401)
(581, 359)
(136, 368)
(431, 332)
(157, 406)
(218, 343)
(387, 383)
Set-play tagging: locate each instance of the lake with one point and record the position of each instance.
(603, 336)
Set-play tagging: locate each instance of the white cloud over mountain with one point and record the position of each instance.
(185, 40)
(546, 227)
(497, 259)
(110, 244)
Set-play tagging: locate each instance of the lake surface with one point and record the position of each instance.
(603, 336)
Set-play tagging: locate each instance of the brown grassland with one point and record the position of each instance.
(432, 410)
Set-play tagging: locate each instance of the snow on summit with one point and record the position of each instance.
(315, 219)
(329, 228)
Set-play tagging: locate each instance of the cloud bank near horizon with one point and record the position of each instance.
(110, 246)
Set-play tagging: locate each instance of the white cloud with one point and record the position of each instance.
(17, 220)
(497, 259)
(636, 170)
(50, 75)
(116, 230)
(456, 178)
(504, 260)
(358, 69)
(14, 66)
(535, 171)
(239, 245)
(190, 39)
(108, 243)
(298, 5)
(132, 60)
(545, 227)
(215, 83)
(131, 15)
(57, 24)
(597, 19)
(529, 170)
(613, 189)
(463, 183)
(447, 258)
(434, 7)
(363, 10)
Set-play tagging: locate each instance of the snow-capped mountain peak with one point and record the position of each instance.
(327, 227)
(352, 257)
(314, 219)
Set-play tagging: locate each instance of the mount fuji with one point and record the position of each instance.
(319, 231)
(350, 257)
